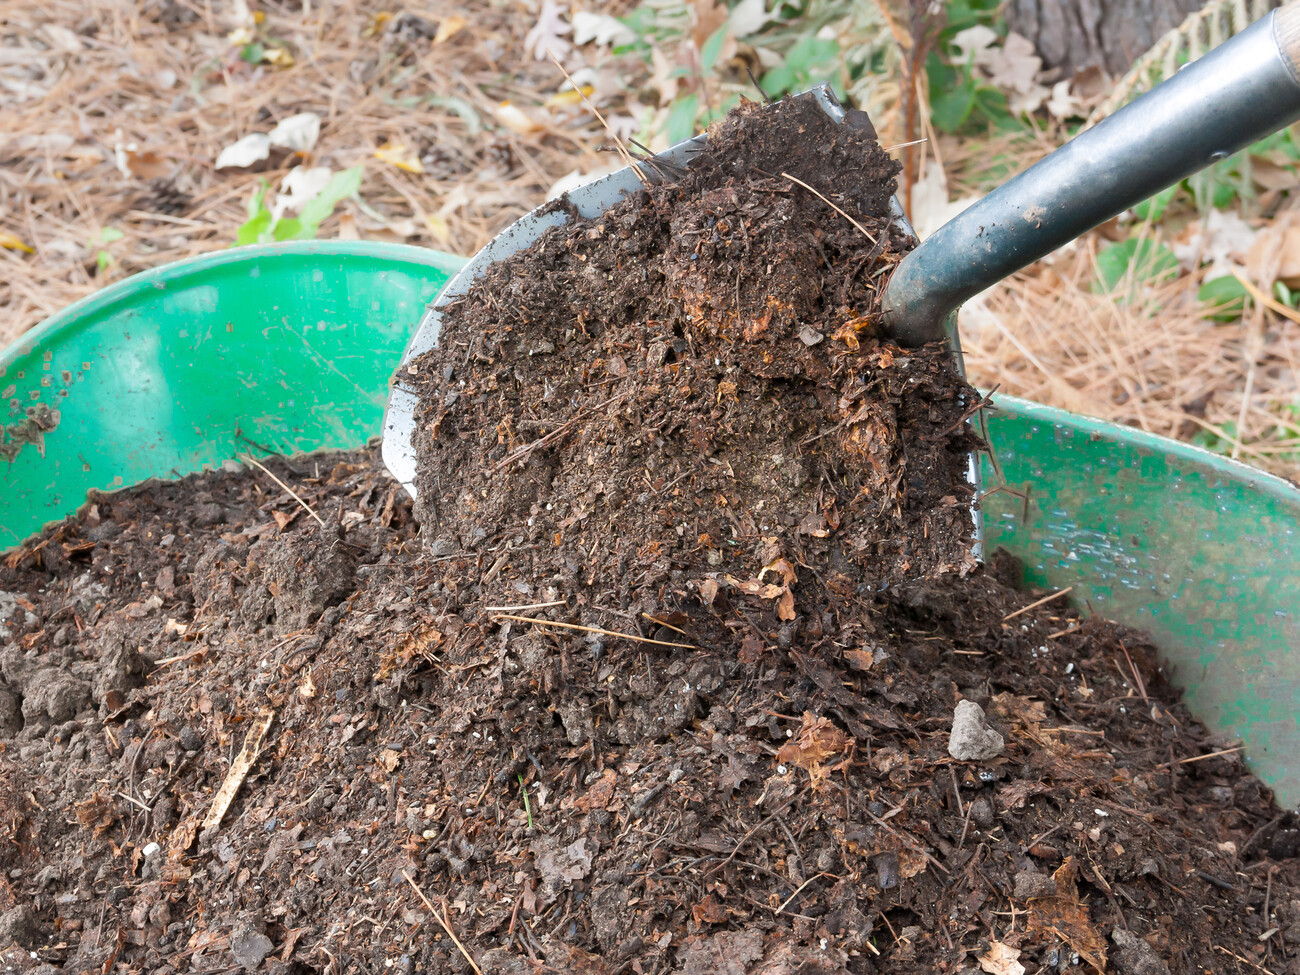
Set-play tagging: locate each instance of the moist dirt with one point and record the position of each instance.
(662, 679)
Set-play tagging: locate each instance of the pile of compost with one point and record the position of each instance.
(680, 663)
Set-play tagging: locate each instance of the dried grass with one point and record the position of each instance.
(65, 111)
(1149, 360)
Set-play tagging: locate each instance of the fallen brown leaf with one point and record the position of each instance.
(1000, 959)
(1066, 917)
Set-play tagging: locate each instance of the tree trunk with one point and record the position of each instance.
(1071, 35)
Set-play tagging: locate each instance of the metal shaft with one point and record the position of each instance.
(1240, 92)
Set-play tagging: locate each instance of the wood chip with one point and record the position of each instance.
(239, 769)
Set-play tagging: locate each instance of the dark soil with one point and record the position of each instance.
(760, 804)
(690, 389)
(740, 766)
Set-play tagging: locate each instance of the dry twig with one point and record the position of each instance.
(1037, 603)
(292, 493)
(443, 922)
(593, 629)
(842, 213)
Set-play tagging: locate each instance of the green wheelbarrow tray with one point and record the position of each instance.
(290, 347)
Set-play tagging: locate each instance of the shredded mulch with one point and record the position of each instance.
(663, 679)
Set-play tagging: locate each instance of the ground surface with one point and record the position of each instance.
(114, 114)
(640, 728)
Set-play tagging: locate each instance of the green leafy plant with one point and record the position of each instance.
(1138, 260)
(103, 257)
(1214, 443)
(528, 808)
(1225, 298)
(1154, 208)
(960, 99)
(792, 30)
(808, 61)
(261, 227)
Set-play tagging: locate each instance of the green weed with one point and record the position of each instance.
(261, 227)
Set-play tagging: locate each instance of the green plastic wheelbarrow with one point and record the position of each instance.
(290, 347)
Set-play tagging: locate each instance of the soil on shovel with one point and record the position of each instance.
(686, 668)
(690, 390)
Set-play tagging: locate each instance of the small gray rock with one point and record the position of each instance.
(972, 740)
(981, 813)
(1135, 956)
(810, 336)
(18, 926)
(249, 946)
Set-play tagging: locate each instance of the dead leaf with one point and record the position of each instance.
(781, 567)
(307, 688)
(752, 587)
(570, 96)
(1015, 795)
(600, 794)
(403, 157)
(546, 38)
(1227, 243)
(911, 862)
(1066, 917)
(709, 16)
(817, 742)
(63, 40)
(724, 953)
(930, 201)
(448, 28)
(860, 659)
(146, 165)
(418, 645)
(1064, 103)
(284, 518)
(603, 29)
(814, 524)
(665, 77)
(1000, 959)
(96, 814)
(709, 911)
(516, 119)
(182, 837)
(389, 758)
(972, 43)
(1017, 710)
(248, 151)
(11, 243)
(708, 591)
(560, 864)
(785, 605)
(297, 133)
(1014, 68)
(377, 24)
(239, 769)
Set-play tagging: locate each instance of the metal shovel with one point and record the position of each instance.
(1238, 93)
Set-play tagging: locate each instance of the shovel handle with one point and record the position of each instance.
(1236, 94)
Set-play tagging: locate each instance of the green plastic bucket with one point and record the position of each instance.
(290, 347)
